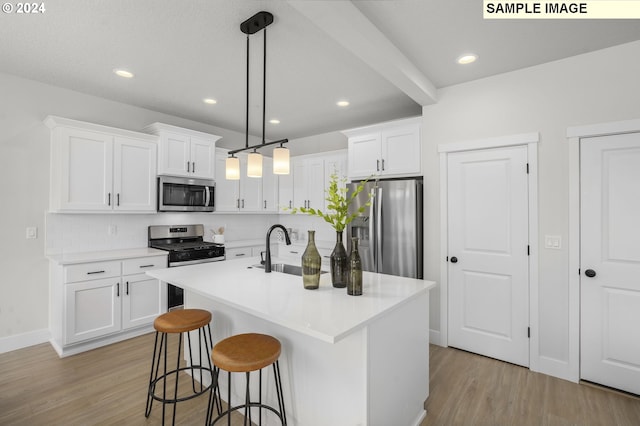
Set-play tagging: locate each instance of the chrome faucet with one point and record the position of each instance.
(267, 262)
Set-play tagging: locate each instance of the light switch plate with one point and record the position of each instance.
(32, 233)
(553, 242)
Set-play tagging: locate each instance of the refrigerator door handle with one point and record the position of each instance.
(378, 215)
(372, 228)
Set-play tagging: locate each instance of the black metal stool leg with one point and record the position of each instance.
(175, 393)
(278, 380)
(155, 364)
(247, 403)
(229, 398)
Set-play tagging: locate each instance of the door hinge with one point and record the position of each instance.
(527, 168)
(528, 250)
(528, 332)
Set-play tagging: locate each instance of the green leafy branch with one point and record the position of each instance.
(339, 200)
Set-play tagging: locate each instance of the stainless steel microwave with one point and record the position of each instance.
(181, 194)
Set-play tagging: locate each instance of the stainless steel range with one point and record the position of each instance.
(186, 246)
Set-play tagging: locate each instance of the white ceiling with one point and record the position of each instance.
(184, 51)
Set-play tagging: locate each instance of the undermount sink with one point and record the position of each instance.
(286, 269)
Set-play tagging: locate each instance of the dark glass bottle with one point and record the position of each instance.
(354, 282)
(339, 263)
(311, 262)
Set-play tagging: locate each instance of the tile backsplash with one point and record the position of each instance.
(74, 233)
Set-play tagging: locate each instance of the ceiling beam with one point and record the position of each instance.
(349, 27)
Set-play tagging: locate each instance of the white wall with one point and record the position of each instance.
(597, 87)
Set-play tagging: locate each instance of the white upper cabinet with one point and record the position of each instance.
(247, 194)
(285, 192)
(134, 174)
(184, 152)
(269, 186)
(386, 150)
(307, 184)
(227, 191)
(98, 168)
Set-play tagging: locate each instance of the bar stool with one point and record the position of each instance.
(244, 353)
(178, 322)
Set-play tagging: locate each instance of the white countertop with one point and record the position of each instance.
(100, 256)
(328, 313)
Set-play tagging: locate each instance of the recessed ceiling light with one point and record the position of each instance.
(123, 73)
(467, 58)
(274, 121)
(342, 103)
(209, 101)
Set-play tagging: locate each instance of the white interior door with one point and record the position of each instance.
(610, 260)
(488, 253)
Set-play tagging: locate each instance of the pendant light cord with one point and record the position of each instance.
(246, 129)
(264, 82)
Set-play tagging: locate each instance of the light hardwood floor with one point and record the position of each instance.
(107, 386)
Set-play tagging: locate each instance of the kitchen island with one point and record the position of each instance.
(346, 360)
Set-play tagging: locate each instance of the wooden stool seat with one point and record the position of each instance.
(246, 352)
(182, 320)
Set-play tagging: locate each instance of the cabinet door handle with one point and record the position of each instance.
(193, 167)
(238, 203)
(377, 165)
(117, 289)
(118, 199)
(147, 266)
(127, 288)
(95, 272)
(294, 252)
(383, 164)
(243, 203)
(265, 204)
(109, 199)
(290, 202)
(240, 254)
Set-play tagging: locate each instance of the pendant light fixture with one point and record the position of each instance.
(259, 21)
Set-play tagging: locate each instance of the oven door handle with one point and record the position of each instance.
(207, 196)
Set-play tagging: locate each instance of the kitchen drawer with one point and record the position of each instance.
(91, 271)
(238, 253)
(143, 264)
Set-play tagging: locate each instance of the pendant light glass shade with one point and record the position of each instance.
(254, 165)
(232, 168)
(281, 161)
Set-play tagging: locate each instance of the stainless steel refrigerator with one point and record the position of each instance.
(390, 229)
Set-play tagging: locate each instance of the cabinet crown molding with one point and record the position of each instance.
(53, 122)
(381, 126)
(157, 128)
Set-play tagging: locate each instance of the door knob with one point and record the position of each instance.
(454, 259)
(590, 273)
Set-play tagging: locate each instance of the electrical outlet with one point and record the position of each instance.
(32, 233)
(112, 230)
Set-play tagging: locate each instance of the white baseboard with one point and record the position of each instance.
(24, 340)
(434, 337)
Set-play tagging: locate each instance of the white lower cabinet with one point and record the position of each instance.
(92, 309)
(100, 302)
(142, 300)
